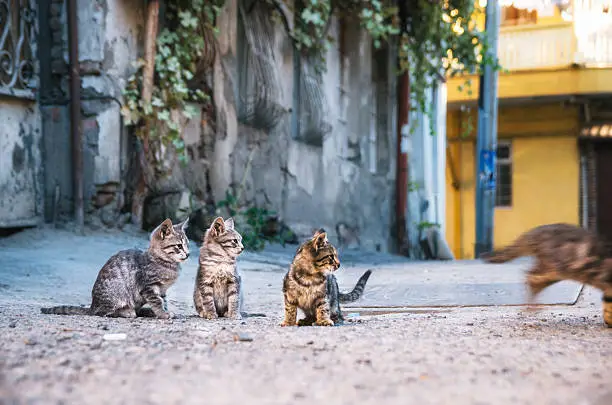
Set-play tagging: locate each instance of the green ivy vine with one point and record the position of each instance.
(178, 48)
(434, 39)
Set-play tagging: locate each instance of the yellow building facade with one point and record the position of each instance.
(546, 103)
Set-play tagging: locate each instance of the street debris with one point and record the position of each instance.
(114, 336)
(242, 337)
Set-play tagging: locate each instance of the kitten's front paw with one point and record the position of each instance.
(235, 317)
(324, 322)
(208, 315)
(285, 323)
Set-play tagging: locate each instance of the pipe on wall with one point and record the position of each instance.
(401, 160)
(76, 130)
(401, 174)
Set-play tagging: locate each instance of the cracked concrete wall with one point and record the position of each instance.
(20, 163)
(21, 174)
(309, 186)
(110, 35)
(111, 31)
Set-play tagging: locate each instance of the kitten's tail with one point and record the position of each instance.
(504, 254)
(66, 310)
(357, 291)
(252, 315)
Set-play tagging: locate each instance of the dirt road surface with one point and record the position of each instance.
(451, 355)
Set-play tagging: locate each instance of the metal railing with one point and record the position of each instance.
(586, 40)
(593, 31)
(18, 65)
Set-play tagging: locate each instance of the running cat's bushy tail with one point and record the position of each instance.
(503, 255)
(526, 244)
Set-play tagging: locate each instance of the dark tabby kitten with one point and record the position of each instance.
(217, 289)
(562, 252)
(310, 285)
(132, 278)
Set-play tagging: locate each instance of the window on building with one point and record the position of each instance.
(379, 120)
(503, 193)
(310, 114)
(259, 93)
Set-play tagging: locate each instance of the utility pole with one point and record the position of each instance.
(487, 138)
(401, 163)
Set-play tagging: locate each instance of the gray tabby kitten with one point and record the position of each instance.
(132, 278)
(217, 288)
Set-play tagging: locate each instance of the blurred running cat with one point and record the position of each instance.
(562, 252)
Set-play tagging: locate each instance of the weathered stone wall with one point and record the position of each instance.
(110, 33)
(20, 163)
(342, 180)
(20, 120)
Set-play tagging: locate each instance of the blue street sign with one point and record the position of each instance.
(487, 170)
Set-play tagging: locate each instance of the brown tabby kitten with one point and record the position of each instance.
(310, 285)
(217, 288)
(562, 252)
(132, 278)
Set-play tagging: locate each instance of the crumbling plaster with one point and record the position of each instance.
(110, 32)
(308, 186)
(20, 163)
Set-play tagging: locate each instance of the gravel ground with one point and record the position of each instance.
(478, 355)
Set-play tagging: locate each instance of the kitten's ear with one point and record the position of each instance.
(164, 229)
(217, 227)
(319, 239)
(229, 223)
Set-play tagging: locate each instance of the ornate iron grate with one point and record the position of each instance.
(18, 68)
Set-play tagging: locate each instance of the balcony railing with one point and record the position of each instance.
(587, 40)
(537, 47)
(593, 30)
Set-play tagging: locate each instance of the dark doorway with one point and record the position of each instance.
(603, 153)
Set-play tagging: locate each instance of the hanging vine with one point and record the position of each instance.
(179, 47)
(436, 38)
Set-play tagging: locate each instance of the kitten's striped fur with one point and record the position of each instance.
(562, 252)
(336, 297)
(132, 278)
(310, 285)
(218, 291)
